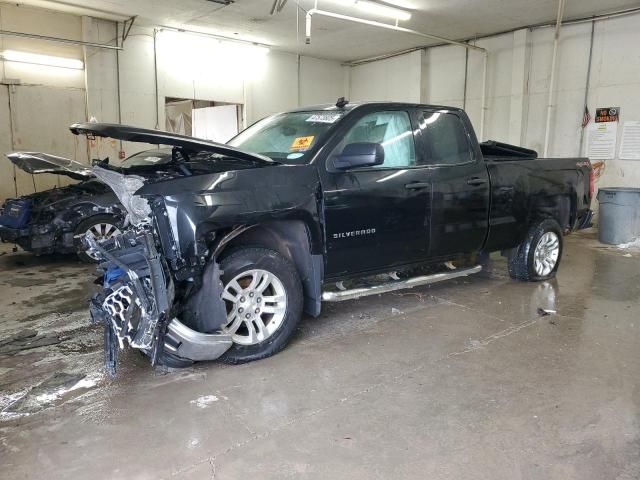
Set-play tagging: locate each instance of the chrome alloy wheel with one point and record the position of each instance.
(256, 303)
(546, 254)
(102, 231)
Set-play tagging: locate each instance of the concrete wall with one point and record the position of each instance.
(45, 100)
(202, 68)
(395, 79)
(519, 71)
(38, 103)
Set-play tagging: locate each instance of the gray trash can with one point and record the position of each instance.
(619, 215)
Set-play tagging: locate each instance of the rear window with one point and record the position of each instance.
(445, 139)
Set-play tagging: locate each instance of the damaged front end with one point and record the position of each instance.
(46, 221)
(137, 304)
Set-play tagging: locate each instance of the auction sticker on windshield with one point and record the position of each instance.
(324, 117)
(302, 143)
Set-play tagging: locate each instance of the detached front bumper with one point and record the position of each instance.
(136, 305)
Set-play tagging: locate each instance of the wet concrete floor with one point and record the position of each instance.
(462, 380)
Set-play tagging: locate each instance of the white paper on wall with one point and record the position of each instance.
(218, 124)
(601, 140)
(630, 144)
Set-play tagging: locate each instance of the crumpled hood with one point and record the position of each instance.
(36, 162)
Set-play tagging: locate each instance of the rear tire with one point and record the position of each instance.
(263, 297)
(537, 258)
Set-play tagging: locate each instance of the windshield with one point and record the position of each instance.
(156, 156)
(287, 137)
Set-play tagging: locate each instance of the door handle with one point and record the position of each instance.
(416, 185)
(476, 181)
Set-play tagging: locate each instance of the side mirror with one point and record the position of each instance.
(360, 155)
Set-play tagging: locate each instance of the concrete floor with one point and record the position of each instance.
(463, 380)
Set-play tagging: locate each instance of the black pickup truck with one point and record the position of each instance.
(229, 244)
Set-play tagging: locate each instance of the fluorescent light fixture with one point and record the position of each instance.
(382, 10)
(37, 59)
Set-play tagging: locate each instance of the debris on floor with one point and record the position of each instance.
(27, 339)
(54, 390)
(204, 401)
(633, 244)
(543, 312)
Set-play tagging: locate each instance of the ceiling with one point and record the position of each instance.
(332, 38)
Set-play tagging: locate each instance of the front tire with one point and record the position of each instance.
(263, 298)
(537, 258)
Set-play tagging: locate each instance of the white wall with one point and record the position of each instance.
(189, 66)
(396, 79)
(42, 22)
(519, 71)
(198, 67)
(440, 88)
(321, 81)
(38, 103)
(615, 81)
(274, 88)
(203, 68)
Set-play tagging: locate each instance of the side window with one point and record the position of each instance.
(390, 129)
(445, 139)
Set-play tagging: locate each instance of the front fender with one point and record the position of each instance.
(196, 205)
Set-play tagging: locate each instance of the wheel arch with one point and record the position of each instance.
(292, 239)
(560, 208)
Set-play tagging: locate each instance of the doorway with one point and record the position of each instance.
(209, 120)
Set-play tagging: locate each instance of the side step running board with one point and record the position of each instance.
(338, 296)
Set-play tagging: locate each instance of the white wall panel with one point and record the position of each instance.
(41, 116)
(274, 88)
(7, 188)
(444, 75)
(45, 100)
(396, 79)
(199, 67)
(42, 22)
(321, 81)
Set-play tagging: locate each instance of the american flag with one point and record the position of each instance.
(586, 117)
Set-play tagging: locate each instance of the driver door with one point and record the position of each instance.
(376, 217)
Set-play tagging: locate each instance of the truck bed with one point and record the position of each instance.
(498, 151)
(525, 188)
